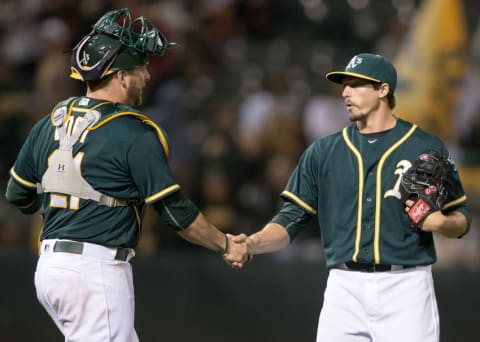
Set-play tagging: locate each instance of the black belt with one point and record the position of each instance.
(75, 247)
(371, 267)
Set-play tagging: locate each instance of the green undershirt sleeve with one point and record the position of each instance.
(293, 218)
(467, 215)
(25, 199)
(176, 210)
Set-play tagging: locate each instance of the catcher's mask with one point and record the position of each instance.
(116, 42)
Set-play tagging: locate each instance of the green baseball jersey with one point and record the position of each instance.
(351, 183)
(124, 155)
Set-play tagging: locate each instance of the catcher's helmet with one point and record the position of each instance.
(116, 43)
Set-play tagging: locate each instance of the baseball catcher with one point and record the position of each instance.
(93, 165)
(424, 184)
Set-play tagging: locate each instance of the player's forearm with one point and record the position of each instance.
(203, 233)
(26, 200)
(454, 225)
(273, 237)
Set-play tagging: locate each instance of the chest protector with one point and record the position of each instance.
(62, 175)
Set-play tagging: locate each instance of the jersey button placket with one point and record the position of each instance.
(367, 225)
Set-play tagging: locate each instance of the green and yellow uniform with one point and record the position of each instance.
(350, 181)
(124, 155)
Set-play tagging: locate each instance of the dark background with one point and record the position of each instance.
(194, 296)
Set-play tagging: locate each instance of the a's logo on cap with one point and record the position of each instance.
(354, 62)
(85, 59)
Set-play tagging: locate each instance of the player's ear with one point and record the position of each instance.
(383, 90)
(121, 77)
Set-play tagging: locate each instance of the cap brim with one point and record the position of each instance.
(339, 76)
(77, 76)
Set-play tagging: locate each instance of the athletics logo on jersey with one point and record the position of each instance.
(401, 167)
(354, 62)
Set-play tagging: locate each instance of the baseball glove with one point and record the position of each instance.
(424, 183)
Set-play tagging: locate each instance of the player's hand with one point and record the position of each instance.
(238, 253)
(432, 222)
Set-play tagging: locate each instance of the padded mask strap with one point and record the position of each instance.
(58, 122)
(67, 142)
(89, 120)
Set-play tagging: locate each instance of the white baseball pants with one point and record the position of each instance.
(393, 306)
(89, 296)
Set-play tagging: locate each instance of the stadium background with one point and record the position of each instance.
(240, 100)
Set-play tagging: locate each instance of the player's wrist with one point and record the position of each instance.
(250, 245)
(226, 245)
(435, 222)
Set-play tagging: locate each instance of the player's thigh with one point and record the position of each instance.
(120, 298)
(53, 278)
(92, 299)
(408, 301)
(108, 302)
(342, 317)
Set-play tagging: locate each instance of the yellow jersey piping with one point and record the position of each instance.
(138, 218)
(162, 193)
(454, 202)
(69, 111)
(85, 110)
(378, 199)
(21, 180)
(358, 233)
(299, 201)
(144, 118)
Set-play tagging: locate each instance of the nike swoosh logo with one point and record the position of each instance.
(371, 141)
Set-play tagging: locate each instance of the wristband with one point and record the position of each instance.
(225, 250)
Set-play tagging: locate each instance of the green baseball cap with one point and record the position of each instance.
(367, 66)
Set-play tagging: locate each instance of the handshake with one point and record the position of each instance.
(238, 250)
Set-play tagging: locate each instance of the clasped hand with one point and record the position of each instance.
(238, 253)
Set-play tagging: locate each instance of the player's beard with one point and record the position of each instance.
(135, 95)
(356, 114)
(354, 117)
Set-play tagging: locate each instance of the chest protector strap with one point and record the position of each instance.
(62, 176)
